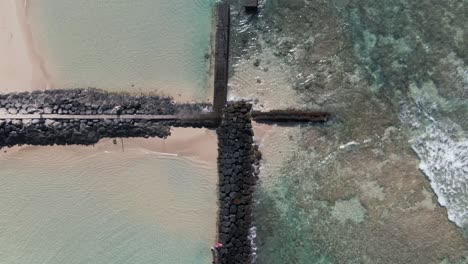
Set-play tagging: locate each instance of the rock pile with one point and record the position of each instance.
(237, 178)
(86, 132)
(83, 132)
(236, 160)
(91, 102)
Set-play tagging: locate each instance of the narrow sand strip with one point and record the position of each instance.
(20, 65)
(199, 145)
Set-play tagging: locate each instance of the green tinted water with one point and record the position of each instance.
(88, 205)
(366, 187)
(137, 46)
(101, 205)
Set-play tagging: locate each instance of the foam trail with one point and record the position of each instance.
(252, 236)
(444, 160)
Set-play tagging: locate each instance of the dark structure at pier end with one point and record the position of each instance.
(251, 6)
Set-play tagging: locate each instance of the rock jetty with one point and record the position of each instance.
(43, 131)
(92, 102)
(237, 160)
(67, 132)
(237, 157)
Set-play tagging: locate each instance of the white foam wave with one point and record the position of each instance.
(349, 145)
(252, 236)
(444, 160)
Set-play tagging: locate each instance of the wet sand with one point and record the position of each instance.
(21, 67)
(192, 143)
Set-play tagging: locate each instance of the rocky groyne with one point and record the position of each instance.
(43, 132)
(237, 177)
(66, 130)
(92, 102)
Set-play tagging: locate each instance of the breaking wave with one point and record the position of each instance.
(443, 150)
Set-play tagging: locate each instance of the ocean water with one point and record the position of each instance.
(102, 205)
(146, 46)
(385, 180)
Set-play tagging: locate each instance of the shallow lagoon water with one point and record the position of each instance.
(101, 205)
(133, 46)
(108, 203)
(384, 181)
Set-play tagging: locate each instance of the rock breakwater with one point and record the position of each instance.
(237, 178)
(92, 102)
(83, 132)
(38, 130)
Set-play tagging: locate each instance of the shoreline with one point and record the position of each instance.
(50, 70)
(27, 68)
(23, 69)
(148, 192)
(41, 75)
(183, 142)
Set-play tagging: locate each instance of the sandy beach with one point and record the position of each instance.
(199, 145)
(20, 67)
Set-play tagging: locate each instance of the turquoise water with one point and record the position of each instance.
(107, 204)
(137, 46)
(385, 180)
(93, 206)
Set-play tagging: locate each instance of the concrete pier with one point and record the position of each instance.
(221, 61)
